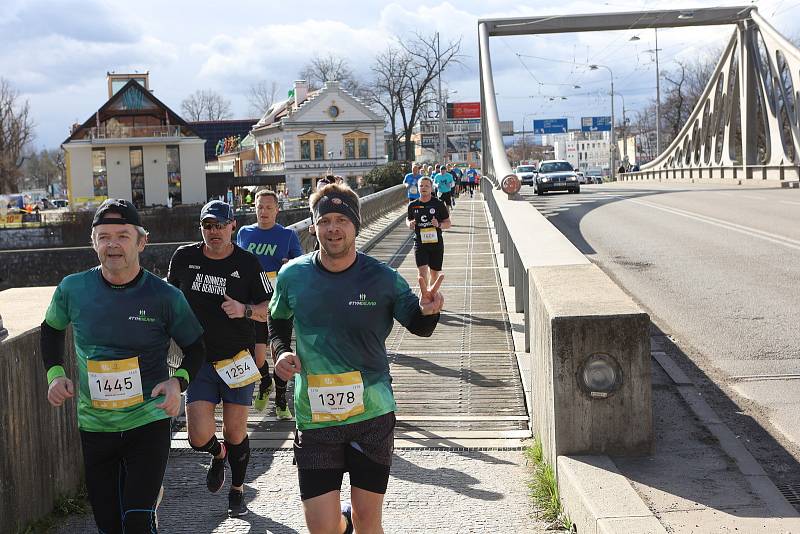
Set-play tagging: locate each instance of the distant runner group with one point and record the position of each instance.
(230, 305)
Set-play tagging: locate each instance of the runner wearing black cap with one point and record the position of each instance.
(122, 320)
(226, 288)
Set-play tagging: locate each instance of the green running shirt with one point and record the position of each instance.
(341, 321)
(117, 324)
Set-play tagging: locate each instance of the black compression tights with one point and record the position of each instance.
(124, 472)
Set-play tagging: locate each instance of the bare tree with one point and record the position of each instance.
(387, 89)
(261, 96)
(331, 68)
(426, 60)
(206, 105)
(16, 131)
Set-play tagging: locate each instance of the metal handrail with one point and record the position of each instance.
(496, 166)
(373, 207)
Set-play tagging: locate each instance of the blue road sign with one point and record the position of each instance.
(548, 126)
(596, 124)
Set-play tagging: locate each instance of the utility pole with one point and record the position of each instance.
(442, 108)
(658, 101)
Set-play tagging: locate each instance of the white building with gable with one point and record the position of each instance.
(311, 135)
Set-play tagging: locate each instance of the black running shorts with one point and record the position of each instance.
(430, 255)
(363, 449)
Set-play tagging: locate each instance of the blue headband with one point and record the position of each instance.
(335, 202)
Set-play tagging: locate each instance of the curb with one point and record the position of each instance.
(598, 498)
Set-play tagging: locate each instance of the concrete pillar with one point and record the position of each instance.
(584, 325)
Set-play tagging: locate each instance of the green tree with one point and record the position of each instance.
(386, 176)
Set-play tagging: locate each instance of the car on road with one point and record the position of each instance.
(526, 174)
(556, 175)
(581, 177)
(594, 177)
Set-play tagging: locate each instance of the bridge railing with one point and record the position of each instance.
(576, 319)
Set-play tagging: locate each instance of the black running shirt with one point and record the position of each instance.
(205, 282)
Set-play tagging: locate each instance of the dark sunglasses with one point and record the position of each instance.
(213, 225)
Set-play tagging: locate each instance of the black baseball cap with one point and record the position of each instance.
(217, 209)
(126, 210)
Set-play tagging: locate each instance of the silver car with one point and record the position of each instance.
(526, 174)
(556, 175)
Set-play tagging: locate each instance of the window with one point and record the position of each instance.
(174, 173)
(137, 176)
(312, 146)
(99, 176)
(276, 152)
(356, 145)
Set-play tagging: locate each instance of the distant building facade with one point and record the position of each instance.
(135, 148)
(310, 135)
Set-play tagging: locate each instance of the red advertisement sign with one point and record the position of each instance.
(464, 110)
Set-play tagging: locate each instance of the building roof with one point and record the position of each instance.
(213, 131)
(130, 100)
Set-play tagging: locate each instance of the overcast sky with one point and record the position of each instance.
(56, 53)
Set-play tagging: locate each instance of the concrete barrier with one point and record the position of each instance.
(578, 323)
(41, 449)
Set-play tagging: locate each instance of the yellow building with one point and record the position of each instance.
(135, 148)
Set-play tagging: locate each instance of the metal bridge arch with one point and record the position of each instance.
(745, 125)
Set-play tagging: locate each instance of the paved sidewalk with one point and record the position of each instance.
(430, 491)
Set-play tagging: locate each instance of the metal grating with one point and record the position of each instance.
(461, 382)
(791, 492)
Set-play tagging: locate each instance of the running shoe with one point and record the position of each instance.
(236, 505)
(260, 402)
(347, 512)
(215, 477)
(282, 410)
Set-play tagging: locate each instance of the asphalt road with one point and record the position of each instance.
(717, 269)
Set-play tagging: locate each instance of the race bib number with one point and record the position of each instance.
(428, 235)
(238, 371)
(335, 397)
(115, 384)
(413, 189)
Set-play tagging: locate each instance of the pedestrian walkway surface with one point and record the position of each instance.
(459, 464)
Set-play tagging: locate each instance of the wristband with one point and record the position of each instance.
(182, 376)
(55, 372)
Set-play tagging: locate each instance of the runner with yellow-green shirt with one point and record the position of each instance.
(122, 319)
(343, 304)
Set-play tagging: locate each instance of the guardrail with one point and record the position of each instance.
(372, 207)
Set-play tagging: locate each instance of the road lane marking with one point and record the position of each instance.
(752, 232)
(789, 202)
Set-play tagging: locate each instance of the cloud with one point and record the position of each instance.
(82, 20)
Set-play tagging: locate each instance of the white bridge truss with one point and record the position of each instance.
(745, 124)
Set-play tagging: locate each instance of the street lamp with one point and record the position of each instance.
(612, 170)
(684, 15)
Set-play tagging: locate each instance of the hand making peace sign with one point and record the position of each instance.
(431, 301)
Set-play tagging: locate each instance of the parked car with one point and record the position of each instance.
(581, 177)
(526, 174)
(556, 175)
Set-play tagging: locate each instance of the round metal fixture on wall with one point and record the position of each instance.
(511, 184)
(333, 111)
(600, 375)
